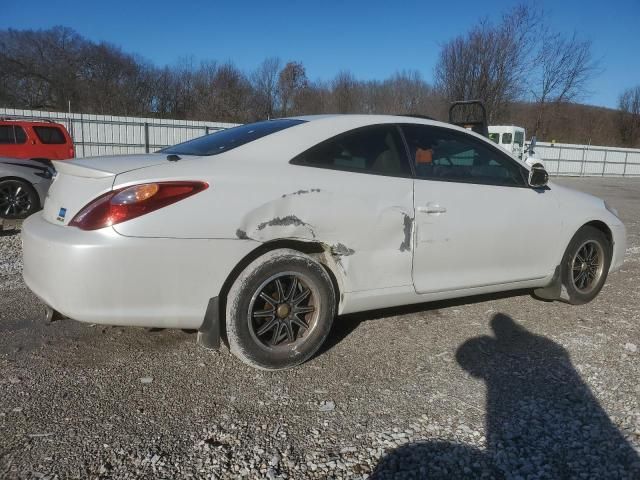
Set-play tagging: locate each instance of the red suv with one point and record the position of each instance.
(34, 139)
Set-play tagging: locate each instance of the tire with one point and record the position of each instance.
(254, 303)
(581, 281)
(18, 199)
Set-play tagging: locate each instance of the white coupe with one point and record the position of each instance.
(263, 233)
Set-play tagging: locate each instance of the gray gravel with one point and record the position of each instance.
(496, 387)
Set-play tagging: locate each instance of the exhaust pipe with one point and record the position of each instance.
(51, 315)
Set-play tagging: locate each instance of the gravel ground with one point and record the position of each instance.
(494, 387)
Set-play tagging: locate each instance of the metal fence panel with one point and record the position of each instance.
(115, 135)
(588, 160)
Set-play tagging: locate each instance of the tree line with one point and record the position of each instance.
(525, 73)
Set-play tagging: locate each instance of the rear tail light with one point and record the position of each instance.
(126, 203)
(72, 153)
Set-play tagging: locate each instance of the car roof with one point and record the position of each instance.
(35, 121)
(361, 120)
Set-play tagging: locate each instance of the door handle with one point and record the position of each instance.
(432, 208)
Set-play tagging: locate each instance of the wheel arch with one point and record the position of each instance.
(603, 227)
(11, 177)
(30, 184)
(318, 250)
(555, 289)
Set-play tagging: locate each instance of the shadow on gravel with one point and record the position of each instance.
(542, 420)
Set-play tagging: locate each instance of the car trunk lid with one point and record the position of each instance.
(97, 167)
(78, 182)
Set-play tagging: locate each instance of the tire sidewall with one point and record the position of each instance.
(243, 344)
(584, 234)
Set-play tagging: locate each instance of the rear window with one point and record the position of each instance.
(50, 135)
(10, 134)
(226, 140)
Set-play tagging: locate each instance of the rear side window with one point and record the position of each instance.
(376, 149)
(226, 140)
(50, 135)
(506, 138)
(10, 134)
(447, 155)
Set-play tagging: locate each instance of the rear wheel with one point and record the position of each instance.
(279, 310)
(585, 265)
(18, 199)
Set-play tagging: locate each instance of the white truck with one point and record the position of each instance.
(512, 139)
(472, 115)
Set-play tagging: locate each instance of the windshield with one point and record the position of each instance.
(225, 140)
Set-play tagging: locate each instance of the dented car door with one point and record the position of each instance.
(477, 221)
(361, 204)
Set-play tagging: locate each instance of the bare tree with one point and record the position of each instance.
(291, 81)
(222, 92)
(265, 86)
(564, 66)
(233, 92)
(525, 77)
(629, 119)
(409, 93)
(315, 98)
(110, 80)
(490, 62)
(183, 80)
(344, 92)
(42, 65)
(48, 69)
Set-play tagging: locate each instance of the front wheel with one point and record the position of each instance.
(585, 265)
(279, 310)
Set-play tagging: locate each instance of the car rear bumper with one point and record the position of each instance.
(103, 277)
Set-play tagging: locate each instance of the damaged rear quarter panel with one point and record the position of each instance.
(364, 221)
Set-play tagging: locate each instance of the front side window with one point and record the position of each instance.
(447, 155)
(50, 135)
(225, 140)
(376, 149)
(506, 138)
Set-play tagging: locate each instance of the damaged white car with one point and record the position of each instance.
(263, 233)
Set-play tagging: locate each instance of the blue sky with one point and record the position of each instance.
(371, 38)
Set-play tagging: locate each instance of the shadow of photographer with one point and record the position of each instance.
(542, 421)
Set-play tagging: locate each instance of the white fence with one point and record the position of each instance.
(110, 135)
(588, 160)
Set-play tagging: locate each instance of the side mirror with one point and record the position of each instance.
(538, 177)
